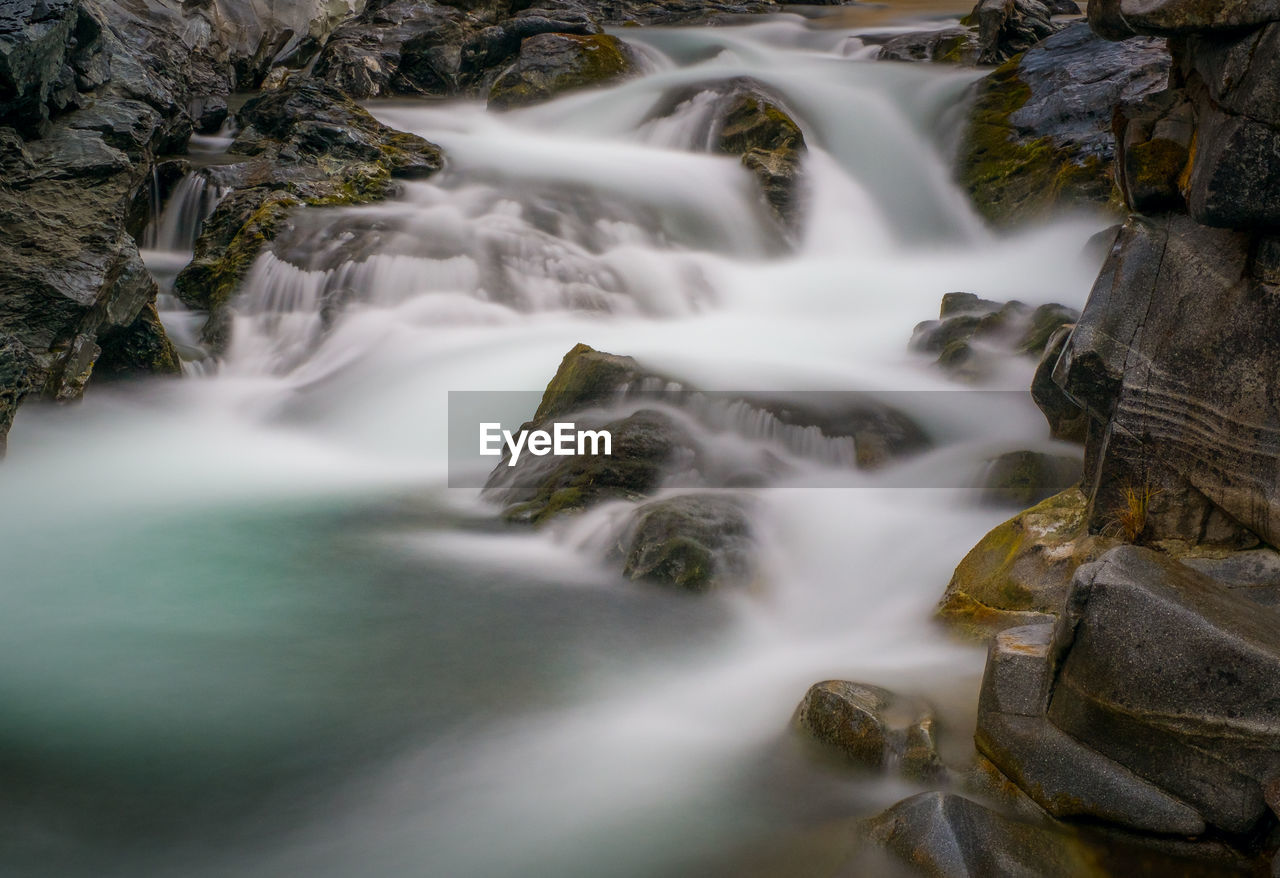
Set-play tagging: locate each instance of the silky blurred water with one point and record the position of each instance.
(248, 630)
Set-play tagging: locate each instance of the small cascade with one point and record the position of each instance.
(175, 228)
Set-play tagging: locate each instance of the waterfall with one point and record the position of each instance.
(282, 645)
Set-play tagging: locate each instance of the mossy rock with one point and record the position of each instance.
(1021, 572)
(307, 145)
(771, 146)
(586, 377)
(1024, 478)
(552, 64)
(694, 542)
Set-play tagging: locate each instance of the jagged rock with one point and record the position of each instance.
(1009, 27)
(306, 144)
(1172, 323)
(696, 542)
(948, 836)
(871, 727)
(1064, 777)
(1039, 137)
(401, 47)
(1067, 421)
(552, 64)
(494, 48)
(1174, 676)
(1155, 137)
(1025, 478)
(1020, 572)
(33, 45)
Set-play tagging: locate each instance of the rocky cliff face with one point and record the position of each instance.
(1143, 699)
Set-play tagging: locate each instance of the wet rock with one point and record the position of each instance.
(1061, 775)
(1038, 136)
(1009, 27)
(942, 834)
(749, 120)
(494, 48)
(871, 727)
(1021, 571)
(953, 45)
(772, 148)
(1173, 322)
(970, 330)
(1155, 137)
(696, 542)
(1067, 420)
(1158, 666)
(33, 46)
(305, 145)
(1025, 478)
(401, 47)
(644, 446)
(550, 65)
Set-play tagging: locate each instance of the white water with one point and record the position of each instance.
(249, 623)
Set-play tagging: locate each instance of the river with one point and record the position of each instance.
(250, 631)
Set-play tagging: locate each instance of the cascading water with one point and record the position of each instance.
(274, 643)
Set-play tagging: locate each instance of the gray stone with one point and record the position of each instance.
(1067, 420)
(1061, 775)
(1023, 478)
(1174, 676)
(871, 727)
(550, 65)
(949, 836)
(1118, 19)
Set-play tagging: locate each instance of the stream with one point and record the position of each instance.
(249, 630)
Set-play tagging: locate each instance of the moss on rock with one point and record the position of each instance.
(1022, 570)
(552, 64)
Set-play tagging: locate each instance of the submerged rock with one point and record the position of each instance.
(970, 332)
(552, 64)
(696, 542)
(942, 834)
(871, 727)
(1038, 136)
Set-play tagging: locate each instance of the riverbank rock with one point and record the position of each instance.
(870, 727)
(303, 144)
(1038, 135)
(552, 64)
(1067, 420)
(1118, 712)
(1009, 27)
(695, 542)
(943, 834)
(950, 45)
(1021, 571)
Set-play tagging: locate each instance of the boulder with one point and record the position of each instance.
(1177, 316)
(948, 836)
(1009, 27)
(748, 119)
(305, 144)
(952, 45)
(1174, 676)
(1020, 573)
(1065, 778)
(870, 727)
(551, 64)
(1038, 135)
(401, 47)
(696, 542)
(1155, 137)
